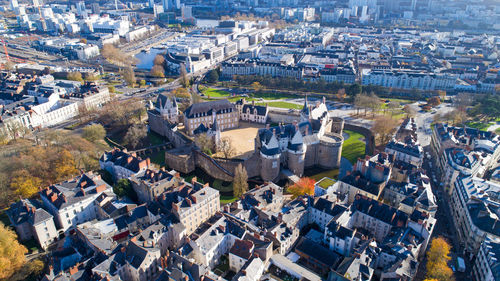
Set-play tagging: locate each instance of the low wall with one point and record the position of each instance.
(367, 133)
(275, 116)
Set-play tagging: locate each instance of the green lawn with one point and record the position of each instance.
(353, 148)
(221, 186)
(272, 96)
(214, 93)
(333, 174)
(326, 182)
(282, 104)
(478, 125)
(227, 199)
(158, 158)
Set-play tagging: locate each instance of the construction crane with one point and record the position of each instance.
(5, 50)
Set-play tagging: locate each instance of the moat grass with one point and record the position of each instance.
(224, 199)
(333, 174)
(353, 148)
(215, 93)
(281, 104)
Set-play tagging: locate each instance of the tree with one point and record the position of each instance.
(373, 102)
(129, 76)
(24, 184)
(434, 101)
(384, 127)
(159, 60)
(83, 40)
(437, 260)
(341, 94)
(74, 76)
(157, 71)
(256, 86)
(135, 134)
(65, 166)
(456, 117)
(184, 78)
(142, 83)
(240, 181)
(94, 132)
(112, 89)
(303, 186)
(392, 106)
(205, 143)
(181, 93)
(123, 187)
(226, 147)
(362, 101)
(11, 253)
(213, 76)
(409, 110)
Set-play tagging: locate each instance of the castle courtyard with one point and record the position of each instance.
(243, 138)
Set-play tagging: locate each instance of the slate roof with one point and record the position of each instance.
(329, 207)
(318, 252)
(261, 110)
(379, 210)
(242, 249)
(207, 108)
(123, 159)
(357, 179)
(26, 210)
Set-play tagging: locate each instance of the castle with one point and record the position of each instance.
(315, 139)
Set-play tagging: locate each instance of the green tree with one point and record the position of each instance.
(213, 76)
(11, 253)
(142, 83)
(123, 187)
(94, 132)
(240, 181)
(112, 89)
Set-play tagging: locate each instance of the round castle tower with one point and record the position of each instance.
(330, 150)
(270, 166)
(296, 160)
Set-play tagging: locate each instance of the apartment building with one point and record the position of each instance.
(195, 203)
(150, 183)
(74, 201)
(122, 165)
(31, 221)
(486, 267)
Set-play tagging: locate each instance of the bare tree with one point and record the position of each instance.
(205, 143)
(384, 127)
(184, 78)
(226, 147)
(135, 134)
(409, 110)
(240, 181)
(129, 76)
(392, 106)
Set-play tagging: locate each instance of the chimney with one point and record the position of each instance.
(83, 191)
(129, 159)
(73, 269)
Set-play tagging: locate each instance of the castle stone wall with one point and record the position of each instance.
(275, 116)
(296, 162)
(270, 167)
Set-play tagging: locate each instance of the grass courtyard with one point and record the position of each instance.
(214, 93)
(353, 147)
(282, 104)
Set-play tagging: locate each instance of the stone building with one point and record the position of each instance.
(202, 113)
(303, 144)
(251, 112)
(150, 183)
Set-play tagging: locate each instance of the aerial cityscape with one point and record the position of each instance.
(249, 140)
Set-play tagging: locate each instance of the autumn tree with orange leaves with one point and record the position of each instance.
(437, 261)
(303, 186)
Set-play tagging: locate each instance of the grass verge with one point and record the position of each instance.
(353, 148)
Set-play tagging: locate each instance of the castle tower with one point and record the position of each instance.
(168, 108)
(330, 150)
(296, 152)
(305, 113)
(337, 125)
(270, 159)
